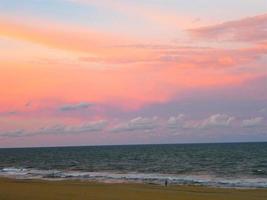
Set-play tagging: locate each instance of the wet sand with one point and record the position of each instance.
(11, 189)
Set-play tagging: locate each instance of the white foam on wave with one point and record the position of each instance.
(112, 177)
(14, 171)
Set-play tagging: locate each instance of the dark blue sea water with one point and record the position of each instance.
(220, 165)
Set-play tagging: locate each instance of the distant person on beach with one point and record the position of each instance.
(166, 183)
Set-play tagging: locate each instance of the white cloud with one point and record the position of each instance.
(176, 122)
(58, 129)
(253, 122)
(13, 133)
(93, 126)
(137, 124)
(141, 124)
(54, 129)
(216, 120)
(88, 127)
(78, 106)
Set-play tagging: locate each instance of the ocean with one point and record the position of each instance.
(234, 165)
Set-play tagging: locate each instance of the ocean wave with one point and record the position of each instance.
(14, 171)
(112, 177)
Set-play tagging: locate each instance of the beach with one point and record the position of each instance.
(14, 189)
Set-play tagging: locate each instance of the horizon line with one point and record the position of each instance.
(135, 144)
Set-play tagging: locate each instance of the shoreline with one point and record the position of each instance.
(132, 178)
(124, 182)
(12, 189)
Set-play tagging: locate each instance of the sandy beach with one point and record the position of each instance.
(11, 189)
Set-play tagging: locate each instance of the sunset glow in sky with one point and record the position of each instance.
(90, 72)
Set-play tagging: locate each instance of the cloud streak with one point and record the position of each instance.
(55, 35)
(58, 129)
(88, 127)
(74, 107)
(214, 121)
(253, 122)
(248, 29)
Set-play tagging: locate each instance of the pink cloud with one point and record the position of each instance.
(130, 76)
(247, 29)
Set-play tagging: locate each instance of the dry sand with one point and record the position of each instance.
(11, 189)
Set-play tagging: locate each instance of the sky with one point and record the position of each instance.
(104, 72)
